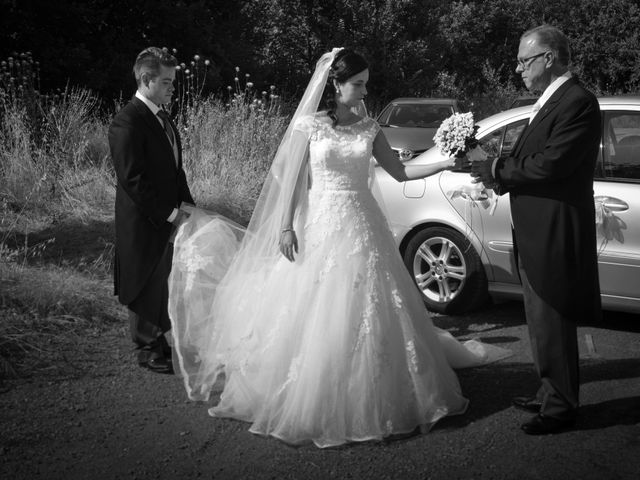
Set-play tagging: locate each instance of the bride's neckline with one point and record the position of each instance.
(345, 125)
(326, 120)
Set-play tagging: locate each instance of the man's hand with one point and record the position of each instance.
(481, 173)
(288, 244)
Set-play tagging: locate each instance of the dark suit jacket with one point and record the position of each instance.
(149, 186)
(550, 181)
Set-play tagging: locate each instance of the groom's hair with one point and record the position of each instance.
(553, 39)
(149, 61)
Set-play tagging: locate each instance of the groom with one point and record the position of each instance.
(151, 184)
(549, 178)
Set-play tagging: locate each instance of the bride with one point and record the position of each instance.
(326, 340)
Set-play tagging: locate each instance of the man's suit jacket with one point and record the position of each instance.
(149, 186)
(550, 180)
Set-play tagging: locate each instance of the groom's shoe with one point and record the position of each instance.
(543, 425)
(155, 361)
(530, 404)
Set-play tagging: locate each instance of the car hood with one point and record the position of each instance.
(416, 139)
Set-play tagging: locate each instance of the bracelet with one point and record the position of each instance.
(287, 230)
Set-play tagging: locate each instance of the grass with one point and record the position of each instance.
(57, 189)
(228, 153)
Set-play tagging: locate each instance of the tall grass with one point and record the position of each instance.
(56, 176)
(228, 150)
(59, 165)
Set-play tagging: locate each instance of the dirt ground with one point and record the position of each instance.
(103, 417)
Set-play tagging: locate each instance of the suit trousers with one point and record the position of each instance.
(148, 313)
(554, 346)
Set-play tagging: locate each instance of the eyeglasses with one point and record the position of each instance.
(525, 63)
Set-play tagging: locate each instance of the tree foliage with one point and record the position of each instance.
(414, 46)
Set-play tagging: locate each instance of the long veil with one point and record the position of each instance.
(215, 259)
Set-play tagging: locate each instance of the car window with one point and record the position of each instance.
(500, 142)
(384, 116)
(511, 135)
(621, 146)
(416, 115)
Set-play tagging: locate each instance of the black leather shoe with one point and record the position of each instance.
(530, 404)
(543, 425)
(154, 361)
(159, 365)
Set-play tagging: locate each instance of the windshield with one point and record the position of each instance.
(415, 115)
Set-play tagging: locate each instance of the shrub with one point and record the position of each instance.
(229, 145)
(53, 148)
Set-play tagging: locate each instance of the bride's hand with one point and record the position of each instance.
(459, 163)
(288, 243)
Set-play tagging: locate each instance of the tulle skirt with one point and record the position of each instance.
(333, 348)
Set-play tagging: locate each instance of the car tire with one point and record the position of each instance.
(447, 270)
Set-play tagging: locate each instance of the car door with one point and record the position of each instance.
(488, 215)
(617, 200)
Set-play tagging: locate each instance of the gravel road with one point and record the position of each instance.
(108, 419)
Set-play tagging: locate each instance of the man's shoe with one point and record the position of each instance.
(154, 361)
(159, 365)
(543, 425)
(530, 404)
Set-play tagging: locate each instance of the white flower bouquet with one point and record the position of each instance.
(456, 137)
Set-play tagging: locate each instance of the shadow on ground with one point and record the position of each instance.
(492, 388)
(67, 242)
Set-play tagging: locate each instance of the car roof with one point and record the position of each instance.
(620, 99)
(519, 111)
(439, 101)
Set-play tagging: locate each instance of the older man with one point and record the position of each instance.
(549, 178)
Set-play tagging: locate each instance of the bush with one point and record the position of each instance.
(228, 148)
(53, 148)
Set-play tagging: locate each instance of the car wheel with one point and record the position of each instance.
(447, 270)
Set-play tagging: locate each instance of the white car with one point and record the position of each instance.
(456, 241)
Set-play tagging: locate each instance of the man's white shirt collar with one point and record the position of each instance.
(152, 106)
(550, 90)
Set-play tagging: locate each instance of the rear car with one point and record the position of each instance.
(410, 123)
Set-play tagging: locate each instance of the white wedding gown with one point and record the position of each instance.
(333, 348)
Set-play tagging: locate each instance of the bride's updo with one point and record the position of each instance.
(346, 64)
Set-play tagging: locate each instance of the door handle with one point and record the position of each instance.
(611, 203)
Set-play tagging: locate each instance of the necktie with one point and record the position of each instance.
(164, 116)
(534, 111)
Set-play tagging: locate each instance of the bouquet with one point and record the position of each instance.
(456, 137)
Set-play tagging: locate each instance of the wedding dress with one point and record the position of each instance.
(333, 348)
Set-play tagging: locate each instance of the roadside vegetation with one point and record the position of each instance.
(57, 189)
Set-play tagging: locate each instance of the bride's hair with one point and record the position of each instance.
(346, 64)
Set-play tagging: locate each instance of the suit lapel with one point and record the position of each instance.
(153, 122)
(546, 109)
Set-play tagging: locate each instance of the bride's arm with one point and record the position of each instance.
(388, 160)
(288, 237)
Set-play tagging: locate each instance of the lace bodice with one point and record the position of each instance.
(339, 156)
